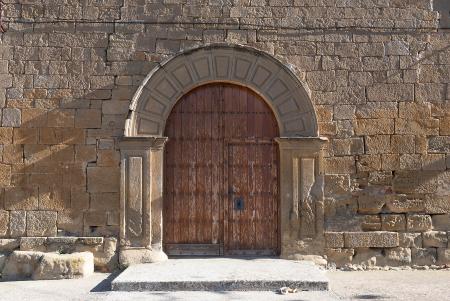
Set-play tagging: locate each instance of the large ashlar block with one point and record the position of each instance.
(43, 266)
(418, 222)
(103, 179)
(437, 239)
(41, 223)
(377, 239)
(4, 221)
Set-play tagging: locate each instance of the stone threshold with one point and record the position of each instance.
(221, 274)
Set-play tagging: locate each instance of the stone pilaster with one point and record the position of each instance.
(301, 193)
(141, 200)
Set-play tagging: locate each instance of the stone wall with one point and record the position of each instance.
(378, 71)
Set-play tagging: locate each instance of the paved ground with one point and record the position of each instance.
(374, 285)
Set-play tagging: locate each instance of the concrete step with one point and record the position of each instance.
(221, 274)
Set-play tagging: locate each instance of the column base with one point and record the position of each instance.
(129, 257)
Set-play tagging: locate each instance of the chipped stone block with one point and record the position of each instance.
(339, 256)
(3, 258)
(398, 256)
(377, 239)
(4, 221)
(371, 223)
(17, 223)
(424, 256)
(393, 222)
(20, 265)
(64, 266)
(9, 245)
(41, 223)
(410, 240)
(443, 256)
(418, 222)
(437, 205)
(436, 239)
(21, 198)
(334, 239)
(33, 244)
(90, 240)
(403, 205)
(367, 257)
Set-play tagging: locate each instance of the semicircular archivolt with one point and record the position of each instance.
(278, 86)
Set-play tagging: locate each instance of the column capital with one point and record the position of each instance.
(142, 143)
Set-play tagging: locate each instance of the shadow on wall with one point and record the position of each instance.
(60, 168)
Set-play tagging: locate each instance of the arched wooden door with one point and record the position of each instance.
(221, 174)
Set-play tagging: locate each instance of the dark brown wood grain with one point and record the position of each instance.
(221, 148)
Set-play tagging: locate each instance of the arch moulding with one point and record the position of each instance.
(264, 74)
(301, 181)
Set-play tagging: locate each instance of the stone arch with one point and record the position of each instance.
(275, 82)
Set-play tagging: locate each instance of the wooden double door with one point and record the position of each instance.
(221, 174)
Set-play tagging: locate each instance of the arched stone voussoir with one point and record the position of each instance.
(257, 70)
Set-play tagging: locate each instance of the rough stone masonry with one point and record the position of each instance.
(378, 73)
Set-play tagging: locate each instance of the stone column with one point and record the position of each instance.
(141, 195)
(301, 193)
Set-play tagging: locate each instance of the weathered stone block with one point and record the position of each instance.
(108, 157)
(4, 221)
(103, 179)
(20, 265)
(410, 240)
(95, 218)
(25, 136)
(41, 223)
(21, 198)
(11, 117)
(334, 239)
(443, 255)
(393, 222)
(377, 110)
(439, 144)
(339, 256)
(423, 256)
(372, 199)
(441, 222)
(33, 244)
(64, 266)
(402, 205)
(17, 223)
(373, 126)
(437, 204)
(390, 92)
(398, 256)
(2, 261)
(418, 222)
(8, 245)
(437, 239)
(378, 239)
(5, 174)
(397, 48)
(6, 135)
(367, 257)
(61, 118)
(104, 201)
(88, 118)
(371, 223)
